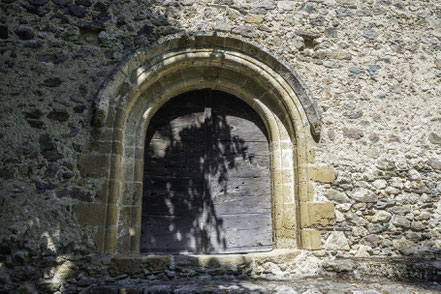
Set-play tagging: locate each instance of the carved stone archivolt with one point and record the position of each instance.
(180, 64)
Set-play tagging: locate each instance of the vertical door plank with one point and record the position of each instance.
(239, 182)
(173, 178)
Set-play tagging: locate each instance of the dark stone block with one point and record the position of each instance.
(83, 90)
(25, 273)
(41, 187)
(67, 175)
(370, 34)
(34, 44)
(4, 32)
(84, 51)
(6, 174)
(52, 58)
(60, 115)
(77, 11)
(103, 16)
(24, 33)
(100, 6)
(51, 171)
(355, 70)
(35, 114)
(46, 143)
(86, 3)
(31, 9)
(73, 131)
(61, 17)
(77, 147)
(145, 30)
(79, 108)
(52, 82)
(76, 99)
(37, 124)
(60, 2)
(102, 290)
(53, 156)
(373, 68)
(318, 21)
(121, 21)
(36, 9)
(38, 2)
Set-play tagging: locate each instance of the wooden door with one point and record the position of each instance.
(206, 177)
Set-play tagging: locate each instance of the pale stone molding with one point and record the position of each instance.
(176, 65)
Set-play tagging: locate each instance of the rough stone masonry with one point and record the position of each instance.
(373, 67)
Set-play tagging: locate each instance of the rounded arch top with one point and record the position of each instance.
(123, 81)
(180, 63)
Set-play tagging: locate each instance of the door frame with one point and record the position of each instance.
(176, 65)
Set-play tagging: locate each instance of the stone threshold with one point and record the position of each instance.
(132, 264)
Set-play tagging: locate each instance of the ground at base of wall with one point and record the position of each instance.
(208, 284)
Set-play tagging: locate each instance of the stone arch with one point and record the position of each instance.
(176, 65)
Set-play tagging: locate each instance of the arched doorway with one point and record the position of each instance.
(206, 185)
(175, 65)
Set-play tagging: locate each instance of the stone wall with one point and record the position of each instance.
(374, 68)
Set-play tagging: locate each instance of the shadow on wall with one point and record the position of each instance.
(206, 178)
(42, 246)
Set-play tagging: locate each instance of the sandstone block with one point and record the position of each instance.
(94, 166)
(100, 239)
(311, 239)
(316, 214)
(90, 213)
(322, 174)
(254, 19)
(306, 192)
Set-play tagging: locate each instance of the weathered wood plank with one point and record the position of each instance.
(240, 208)
(236, 233)
(171, 234)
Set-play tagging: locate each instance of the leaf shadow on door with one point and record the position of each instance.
(183, 162)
